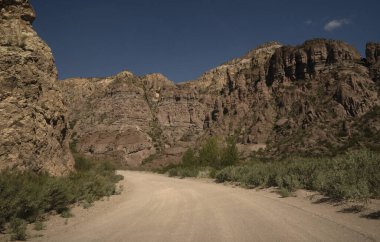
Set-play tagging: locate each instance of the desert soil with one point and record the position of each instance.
(153, 207)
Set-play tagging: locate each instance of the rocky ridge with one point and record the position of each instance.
(318, 98)
(305, 99)
(33, 122)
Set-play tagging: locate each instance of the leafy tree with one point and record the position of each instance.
(230, 154)
(210, 153)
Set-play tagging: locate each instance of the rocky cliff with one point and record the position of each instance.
(305, 99)
(320, 89)
(33, 121)
(318, 98)
(130, 118)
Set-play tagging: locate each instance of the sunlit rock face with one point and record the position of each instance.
(34, 132)
(305, 99)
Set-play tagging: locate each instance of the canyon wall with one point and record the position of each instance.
(34, 132)
(282, 100)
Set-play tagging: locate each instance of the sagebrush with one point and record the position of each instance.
(26, 196)
(353, 176)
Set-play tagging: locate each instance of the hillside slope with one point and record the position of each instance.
(306, 99)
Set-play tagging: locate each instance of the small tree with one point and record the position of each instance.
(189, 158)
(230, 154)
(209, 155)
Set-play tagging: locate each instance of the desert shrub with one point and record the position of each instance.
(207, 172)
(232, 174)
(191, 171)
(188, 172)
(165, 169)
(27, 195)
(56, 196)
(224, 175)
(212, 172)
(18, 229)
(183, 171)
(66, 214)
(173, 172)
(353, 176)
(189, 158)
(213, 154)
(284, 192)
(38, 225)
(81, 163)
(230, 153)
(209, 154)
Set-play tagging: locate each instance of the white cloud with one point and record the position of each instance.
(335, 24)
(308, 22)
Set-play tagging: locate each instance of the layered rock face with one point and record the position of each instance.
(309, 60)
(241, 105)
(306, 99)
(318, 96)
(33, 122)
(129, 118)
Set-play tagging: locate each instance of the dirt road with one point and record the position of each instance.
(158, 208)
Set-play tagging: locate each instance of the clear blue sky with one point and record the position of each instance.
(184, 38)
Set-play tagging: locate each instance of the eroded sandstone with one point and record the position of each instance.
(33, 123)
(285, 100)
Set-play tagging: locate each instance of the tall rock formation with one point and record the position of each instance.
(320, 88)
(304, 100)
(130, 118)
(33, 124)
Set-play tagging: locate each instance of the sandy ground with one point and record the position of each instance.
(153, 207)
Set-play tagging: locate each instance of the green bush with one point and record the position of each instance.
(230, 154)
(26, 195)
(212, 153)
(353, 176)
(18, 229)
(81, 163)
(284, 192)
(188, 172)
(192, 171)
(56, 196)
(173, 172)
(207, 172)
(189, 158)
(209, 154)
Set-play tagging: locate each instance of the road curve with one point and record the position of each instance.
(158, 208)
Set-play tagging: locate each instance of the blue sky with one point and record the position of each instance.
(184, 38)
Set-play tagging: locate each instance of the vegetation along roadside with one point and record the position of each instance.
(353, 176)
(27, 197)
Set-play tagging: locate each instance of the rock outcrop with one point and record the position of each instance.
(309, 60)
(33, 123)
(286, 100)
(373, 59)
(318, 95)
(129, 118)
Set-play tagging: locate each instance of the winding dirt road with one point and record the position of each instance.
(158, 208)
